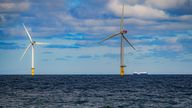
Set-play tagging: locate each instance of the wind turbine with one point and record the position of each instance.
(121, 34)
(32, 46)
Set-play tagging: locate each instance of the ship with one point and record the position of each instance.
(140, 73)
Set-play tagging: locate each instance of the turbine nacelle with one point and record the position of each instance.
(123, 32)
(33, 43)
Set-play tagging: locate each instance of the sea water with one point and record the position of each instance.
(96, 91)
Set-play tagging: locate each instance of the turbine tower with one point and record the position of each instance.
(32, 46)
(123, 38)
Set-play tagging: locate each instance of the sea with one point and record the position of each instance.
(96, 91)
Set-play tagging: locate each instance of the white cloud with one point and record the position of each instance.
(12, 7)
(89, 25)
(175, 48)
(137, 10)
(165, 4)
(184, 18)
(136, 21)
(2, 19)
(172, 26)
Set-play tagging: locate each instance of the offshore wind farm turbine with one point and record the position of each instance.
(32, 46)
(122, 37)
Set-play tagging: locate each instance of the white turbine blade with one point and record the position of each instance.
(128, 42)
(25, 51)
(109, 37)
(27, 33)
(122, 19)
(41, 43)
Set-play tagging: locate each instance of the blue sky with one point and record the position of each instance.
(160, 30)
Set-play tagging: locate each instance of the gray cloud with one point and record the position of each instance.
(14, 7)
(61, 46)
(9, 45)
(186, 43)
(47, 52)
(60, 59)
(84, 57)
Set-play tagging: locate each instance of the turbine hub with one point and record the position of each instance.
(33, 43)
(123, 32)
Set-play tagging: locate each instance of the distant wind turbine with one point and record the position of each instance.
(32, 46)
(121, 34)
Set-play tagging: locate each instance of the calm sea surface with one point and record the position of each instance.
(96, 91)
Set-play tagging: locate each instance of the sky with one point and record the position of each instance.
(160, 30)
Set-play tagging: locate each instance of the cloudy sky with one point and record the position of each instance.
(160, 30)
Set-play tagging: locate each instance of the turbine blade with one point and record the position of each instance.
(109, 37)
(122, 19)
(41, 43)
(27, 33)
(128, 42)
(25, 51)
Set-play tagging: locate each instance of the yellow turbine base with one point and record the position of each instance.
(122, 71)
(32, 71)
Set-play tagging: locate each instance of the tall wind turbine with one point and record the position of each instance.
(121, 34)
(32, 46)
